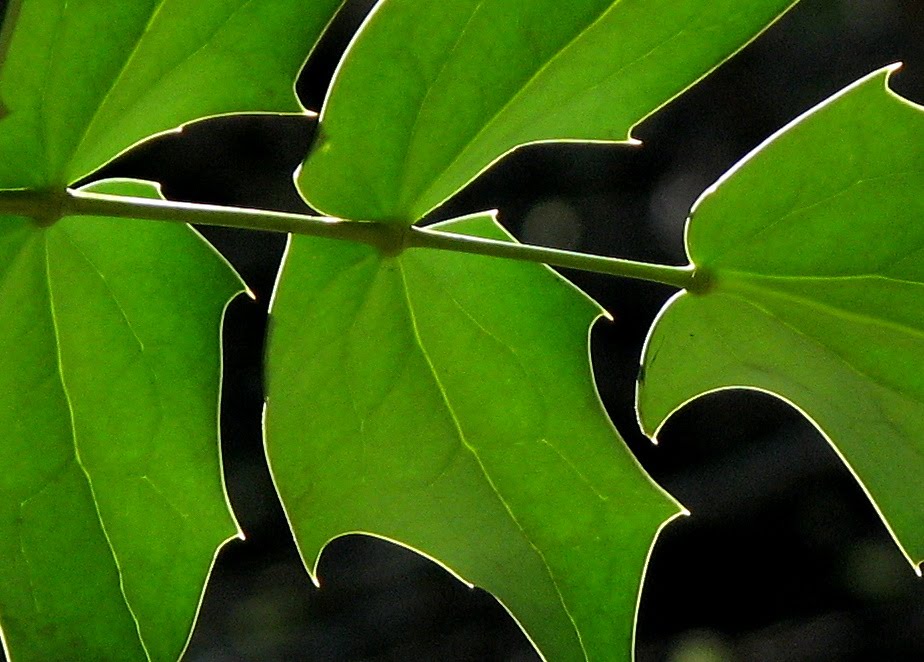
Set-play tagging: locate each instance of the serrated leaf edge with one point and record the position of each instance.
(311, 567)
(653, 433)
(629, 141)
(239, 533)
(885, 73)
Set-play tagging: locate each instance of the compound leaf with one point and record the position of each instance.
(445, 401)
(83, 80)
(431, 92)
(815, 248)
(111, 498)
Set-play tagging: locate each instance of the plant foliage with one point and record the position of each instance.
(457, 408)
(811, 298)
(439, 399)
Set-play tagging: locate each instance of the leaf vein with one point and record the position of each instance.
(802, 333)
(77, 457)
(118, 77)
(474, 451)
(510, 101)
(830, 309)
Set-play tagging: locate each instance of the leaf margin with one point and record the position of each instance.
(652, 431)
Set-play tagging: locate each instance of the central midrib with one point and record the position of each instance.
(77, 457)
(753, 284)
(464, 441)
(405, 203)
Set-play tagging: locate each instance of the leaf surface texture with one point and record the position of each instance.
(111, 501)
(431, 92)
(83, 80)
(445, 401)
(816, 250)
(112, 505)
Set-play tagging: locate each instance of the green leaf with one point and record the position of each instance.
(83, 80)
(445, 401)
(432, 92)
(111, 496)
(815, 248)
(111, 503)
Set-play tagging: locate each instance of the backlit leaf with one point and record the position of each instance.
(815, 248)
(83, 80)
(111, 496)
(432, 92)
(445, 401)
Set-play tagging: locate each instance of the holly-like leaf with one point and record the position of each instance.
(111, 500)
(83, 80)
(431, 92)
(111, 496)
(815, 250)
(445, 401)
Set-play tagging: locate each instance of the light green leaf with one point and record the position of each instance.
(815, 248)
(83, 80)
(111, 496)
(445, 401)
(432, 92)
(111, 500)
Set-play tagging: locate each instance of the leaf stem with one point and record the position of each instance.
(45, 207)
(81, 203)
(680, 277)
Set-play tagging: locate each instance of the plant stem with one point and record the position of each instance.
(46, 207)
(151, 209)
(680, 277)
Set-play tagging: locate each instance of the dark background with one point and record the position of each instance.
(783, 557)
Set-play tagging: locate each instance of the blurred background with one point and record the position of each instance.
(782, 559)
